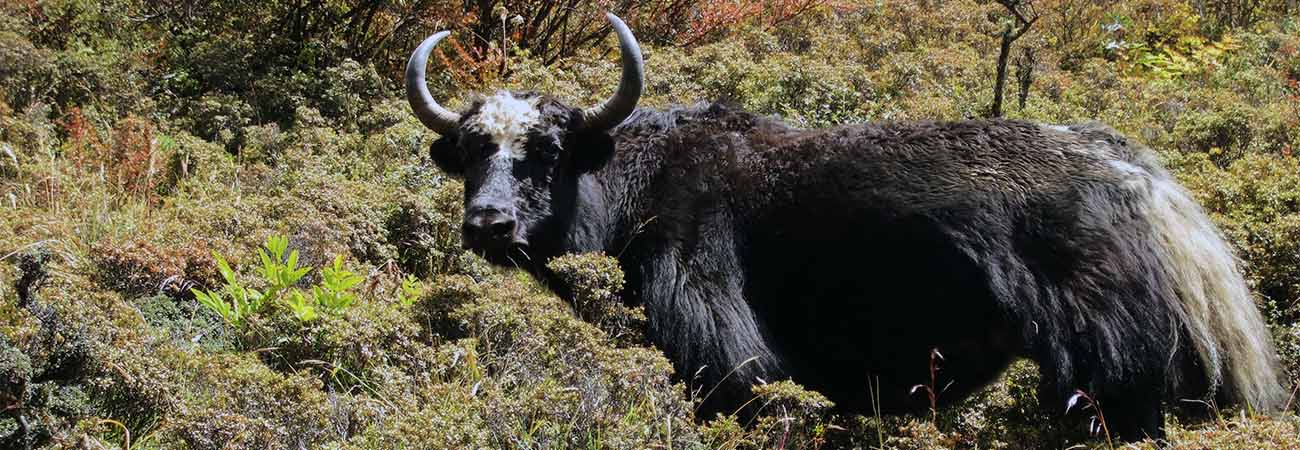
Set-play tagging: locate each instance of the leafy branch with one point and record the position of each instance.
(280, 271)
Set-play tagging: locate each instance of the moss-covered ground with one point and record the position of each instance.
(138, 140)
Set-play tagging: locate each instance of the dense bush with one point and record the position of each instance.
(595, 282)
(138, 138)
(425, 229)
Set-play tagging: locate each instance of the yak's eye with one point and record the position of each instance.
(545, 146)
(477, 146)
(480, 149)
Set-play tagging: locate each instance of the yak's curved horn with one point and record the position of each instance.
(431, 114)
(618, 107)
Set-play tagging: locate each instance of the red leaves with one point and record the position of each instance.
(715, 18)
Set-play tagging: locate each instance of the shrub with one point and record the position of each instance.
(1287, 338)
(235, 402)
(790, 416)
(22, 66)
(1006, 414)
(45, 361)
(218, 118)
(187, 325)
(1256, 201)
(425, 229)
(561, 375)
(1223, 133)
(348, 351)
(595, 282)
(1287, 56)
(262, 143)
(137, 267)
(350, 89)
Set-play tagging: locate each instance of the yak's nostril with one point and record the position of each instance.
(503, 228)
(487, 225)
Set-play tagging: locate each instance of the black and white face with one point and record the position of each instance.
(520, 156)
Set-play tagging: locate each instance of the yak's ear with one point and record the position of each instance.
(447, 155)
(591, 150)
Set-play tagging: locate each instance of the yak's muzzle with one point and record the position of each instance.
(488, 228)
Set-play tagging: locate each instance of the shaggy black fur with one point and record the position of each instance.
(844, 255)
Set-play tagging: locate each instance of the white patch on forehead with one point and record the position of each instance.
(506, 120)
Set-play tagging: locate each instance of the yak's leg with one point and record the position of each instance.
(1134, 416)
(697, 310)
(1127, 413)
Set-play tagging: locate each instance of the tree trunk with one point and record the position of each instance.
(996, 109)
(1025, 74)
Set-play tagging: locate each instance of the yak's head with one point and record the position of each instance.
(520, 154)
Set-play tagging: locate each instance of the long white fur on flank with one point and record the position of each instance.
(1227, 329)
(506, 120)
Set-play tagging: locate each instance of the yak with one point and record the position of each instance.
(842, 257)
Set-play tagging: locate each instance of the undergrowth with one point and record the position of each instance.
(217, 236)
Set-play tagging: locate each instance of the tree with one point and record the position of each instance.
(1013, 30)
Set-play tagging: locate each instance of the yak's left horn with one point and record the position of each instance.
(431, 114)
(613, 111)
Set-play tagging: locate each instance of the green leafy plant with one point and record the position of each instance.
(280, 273)
(410, 291)
(232, 302)
(303, 309)
(332, 294)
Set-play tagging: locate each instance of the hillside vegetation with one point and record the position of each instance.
(219, 227)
